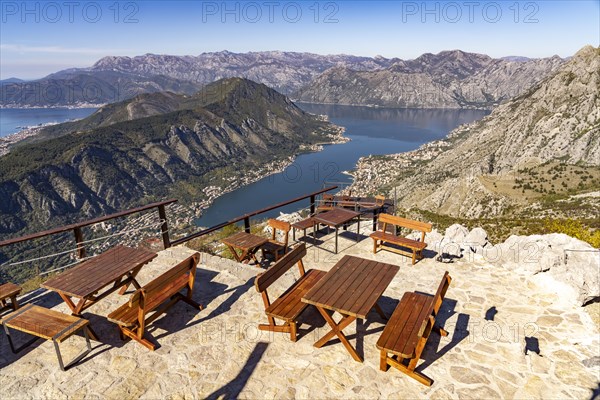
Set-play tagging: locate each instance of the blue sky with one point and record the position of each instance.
(38, 38)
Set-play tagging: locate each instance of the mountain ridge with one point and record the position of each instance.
(130, 161)
(117, 78)
(541, 146)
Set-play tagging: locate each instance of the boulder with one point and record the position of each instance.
(452, 243)
(478, 237)
(565, 259)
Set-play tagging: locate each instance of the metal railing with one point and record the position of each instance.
(78, 233)
(246, 217)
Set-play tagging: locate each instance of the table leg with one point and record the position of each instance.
(336, 239)
(252, 255)
(358, 229)
(235, 254)
(336, 330)
(76, 311)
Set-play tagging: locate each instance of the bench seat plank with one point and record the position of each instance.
(406, 325)
(156, 297)
(399, 240)
(289, 305)
(127, 316)
(408, 330)
(9, 290)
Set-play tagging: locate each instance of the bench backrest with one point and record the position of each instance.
(157, 285)
(267, 278)
(406, 223)
(438, 298)
(283, 226)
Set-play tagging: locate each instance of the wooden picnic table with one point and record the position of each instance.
(112, 270)
(352, 288)
(336, 218)
(247, 243)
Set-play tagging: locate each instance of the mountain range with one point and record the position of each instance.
(450, 79)
(537, 154)
(152, 146)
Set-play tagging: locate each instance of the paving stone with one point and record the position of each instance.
(467, 376)
(478, 393)
(549, 321)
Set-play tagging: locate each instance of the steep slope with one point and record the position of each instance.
(236, 126)
(450, 79)
(537, 148)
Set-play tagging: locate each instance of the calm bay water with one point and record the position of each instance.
(372, 131)
(13, 120)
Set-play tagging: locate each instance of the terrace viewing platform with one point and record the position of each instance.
(509, 336)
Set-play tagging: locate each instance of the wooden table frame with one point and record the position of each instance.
(335, 218)
(118, 266)
(248, 243)
(47, 324)
(352, 287)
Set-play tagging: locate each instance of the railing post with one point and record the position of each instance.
(164, 228)
(375, 214)
(79, 241)
(247, 224)
(312, 204)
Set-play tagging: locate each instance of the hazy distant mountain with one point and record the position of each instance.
(152, 146)
(281, 70)
(11, 80)
(515, 58)
(79, 87)
(539, 148)
(450, 79)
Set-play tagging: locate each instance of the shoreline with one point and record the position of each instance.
(275, 167)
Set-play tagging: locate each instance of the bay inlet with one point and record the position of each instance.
(372, 131)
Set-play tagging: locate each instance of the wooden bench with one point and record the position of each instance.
(46, 324)
(408, 329)
(327, 203)
(289, 305)
(156, 297)
(381, 237)
(273, 246)
(9, 291)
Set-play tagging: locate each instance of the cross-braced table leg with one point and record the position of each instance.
(76, 310)
(336, 330)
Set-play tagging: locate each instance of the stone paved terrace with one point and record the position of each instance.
(219, 353)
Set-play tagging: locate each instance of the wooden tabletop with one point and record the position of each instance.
(245, 241)
(92, 275)
(336, 217)
(44, 323)
(352, 286)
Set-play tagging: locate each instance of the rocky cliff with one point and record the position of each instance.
(450, 79)
(539, 151)
(152, 146)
